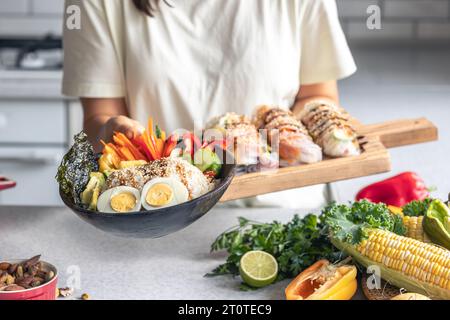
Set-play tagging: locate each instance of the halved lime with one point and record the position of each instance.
(258, 269)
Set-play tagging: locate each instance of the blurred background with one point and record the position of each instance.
(404, 72)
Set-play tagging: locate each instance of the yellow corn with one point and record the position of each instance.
(413, 225)
(408, 263)
(414, 228)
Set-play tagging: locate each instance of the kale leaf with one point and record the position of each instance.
(349, 223)
(417, 208)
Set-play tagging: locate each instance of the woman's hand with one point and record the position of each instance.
(103, 117)
(131, 128)
(320, 91)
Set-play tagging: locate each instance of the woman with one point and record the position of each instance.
(184, 61)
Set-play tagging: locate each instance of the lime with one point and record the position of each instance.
(258, 269)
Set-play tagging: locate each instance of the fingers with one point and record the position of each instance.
(133, 130)
(127, 126)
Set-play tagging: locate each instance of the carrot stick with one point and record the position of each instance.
(155, 147)
(127, 153)
(150, 147)
(127, 143)
(160, 146)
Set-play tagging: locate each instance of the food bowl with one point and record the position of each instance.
(46, 291)
(155, 223)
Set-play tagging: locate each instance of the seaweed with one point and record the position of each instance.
(76, 166)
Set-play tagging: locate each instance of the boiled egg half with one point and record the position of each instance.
(163, 192)
(119, 200)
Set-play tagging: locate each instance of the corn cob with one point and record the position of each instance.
(404, 262)
(414, 228)
(413, 225)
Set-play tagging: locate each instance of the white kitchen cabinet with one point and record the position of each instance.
(34, 170)
(42, 121)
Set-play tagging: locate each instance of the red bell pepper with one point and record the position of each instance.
(140, 142)
(170, 144)
(396, 191)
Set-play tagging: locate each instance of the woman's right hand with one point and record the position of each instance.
(104, 116)
(131, 128)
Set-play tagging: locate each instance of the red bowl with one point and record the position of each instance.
(47, 291)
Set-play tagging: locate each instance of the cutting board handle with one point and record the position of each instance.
(403, 132)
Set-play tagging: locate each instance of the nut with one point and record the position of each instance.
(10, 279)
(19, 272)
(36, 283)
(13, 287)
(12, 268)
(66, 292)
(85, 296)
(3, 277)
(4, 266)
(49, 276)
(31, 262)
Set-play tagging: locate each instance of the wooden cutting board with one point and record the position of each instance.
(375, 158)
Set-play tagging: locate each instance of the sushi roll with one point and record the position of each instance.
(330, 128)
(243, 133)
(295, 145)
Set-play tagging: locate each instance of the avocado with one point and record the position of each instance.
(207, 160)
(95, 185)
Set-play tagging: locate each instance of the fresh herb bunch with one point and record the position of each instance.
(417, 208)
(295, 245)
(350, 223)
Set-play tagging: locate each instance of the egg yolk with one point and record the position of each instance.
(123, 202)
(159, 195)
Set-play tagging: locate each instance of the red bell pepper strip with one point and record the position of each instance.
(396, 191)
(169, 145)
(139, 141)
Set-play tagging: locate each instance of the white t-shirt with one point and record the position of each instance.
(202, 58)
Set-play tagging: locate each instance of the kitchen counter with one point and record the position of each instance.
(117, 268)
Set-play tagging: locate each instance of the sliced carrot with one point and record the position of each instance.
(127, 143)
(150, 147)
(127, 154)
(160, 146)
(139, 141)
(155, 147)
(117, 140)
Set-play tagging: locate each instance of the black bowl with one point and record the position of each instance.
(155, 223)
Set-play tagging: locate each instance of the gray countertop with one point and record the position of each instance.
(390, 84)
(116, 268)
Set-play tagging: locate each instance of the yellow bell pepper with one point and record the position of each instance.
(324, 281)
(106, 163)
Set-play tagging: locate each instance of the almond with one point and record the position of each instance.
(19, 272)
(4, 266)
(13, 287)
